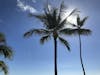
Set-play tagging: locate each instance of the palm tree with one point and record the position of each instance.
(6, 52)
(54, 26)
(81, 31)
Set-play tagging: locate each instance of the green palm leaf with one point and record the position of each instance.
(61, 11)
(80, 22)
(67, 31)
(63, 41)
(62, 6)
(81, 31)
(85, 31)
(61, 25)
(4, 67)
(36, 31)
(83, 21)
(44, 38)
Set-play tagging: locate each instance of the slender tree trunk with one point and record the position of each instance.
(55, 56)
(81, 55)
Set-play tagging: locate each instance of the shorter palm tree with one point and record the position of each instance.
(6, 52)
(81, 31)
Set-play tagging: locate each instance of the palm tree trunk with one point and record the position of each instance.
(81, 55)
(55, 56)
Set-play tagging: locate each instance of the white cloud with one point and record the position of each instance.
(24, 7)
(49, 7)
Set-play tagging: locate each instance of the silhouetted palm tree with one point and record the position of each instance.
(54, 26)
(81, 31)
(6, 52)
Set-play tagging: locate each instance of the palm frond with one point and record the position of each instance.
(4, 67)
(85, 31)
(44, 38)
(78, 20)
(52, 19)
(48, 7)
(62, 10)
(83, 21)
(80, 31)
(62, 6)
(55, 14)
(72, 24)
(61, 25)
(63, 41)
(49, 21)
(46, 18)
(65, 20)
(6, 51)
(36, 31)
(67, 31)
(74, 11)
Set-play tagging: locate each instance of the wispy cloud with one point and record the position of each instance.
(25, 7)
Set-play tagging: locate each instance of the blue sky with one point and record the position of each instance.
(34, 59)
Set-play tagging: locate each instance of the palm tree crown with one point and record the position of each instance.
(54, 25)
(79, 29)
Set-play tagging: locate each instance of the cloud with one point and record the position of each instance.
(49, 7)
(25, 7)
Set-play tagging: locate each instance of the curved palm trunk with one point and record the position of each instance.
(55, 56)
(81, 55)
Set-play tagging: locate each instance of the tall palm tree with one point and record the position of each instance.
(6, 52)
(81, 31)
(54, 26)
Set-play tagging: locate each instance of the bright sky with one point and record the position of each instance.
(32, 58)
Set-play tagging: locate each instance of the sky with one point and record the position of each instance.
(32, 58)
